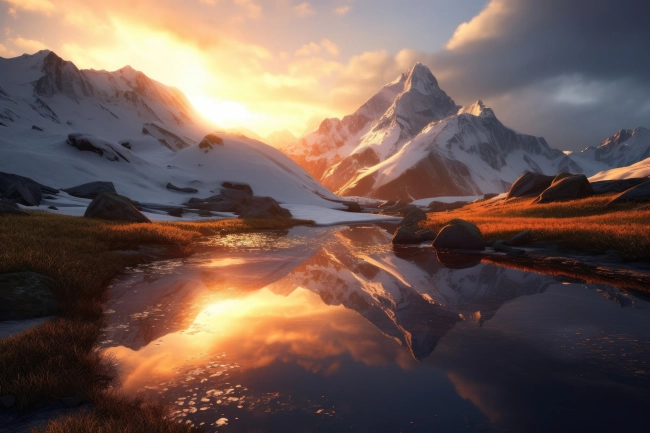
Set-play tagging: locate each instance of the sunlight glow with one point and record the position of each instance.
(226, 114)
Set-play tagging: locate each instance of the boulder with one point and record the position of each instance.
(426, 234)
(639, 194)
(617, 185)
(91, 190)
(529, 185)
(560, 176)
(413, 217)
(27, 194)
(235, 195)
(264, 207)
(501, 247)
(177, 212)
(238, 186)
(459, 234)
(7, 209)
(173, 187)
(438, 206)
(25, 295)
(6, 180)
(568, 188)
(114, 207)
(520, 239)
(406, 235)
(210, 140)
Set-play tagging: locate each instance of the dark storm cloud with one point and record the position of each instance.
(584, 65)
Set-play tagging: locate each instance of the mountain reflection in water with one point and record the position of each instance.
(332, 329)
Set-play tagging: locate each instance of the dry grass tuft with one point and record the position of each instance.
(60, 358)
(586, 225)
(114, 413)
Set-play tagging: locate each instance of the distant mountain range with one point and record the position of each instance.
(410, 141)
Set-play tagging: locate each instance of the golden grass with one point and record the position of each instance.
(60, 358)
(586, 225)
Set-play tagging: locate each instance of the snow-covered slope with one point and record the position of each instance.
(640, 169)
(412, 141)
(280, 139)
(141, 136)
(626, 147)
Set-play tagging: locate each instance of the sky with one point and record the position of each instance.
(574, 72)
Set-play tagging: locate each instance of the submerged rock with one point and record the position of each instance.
(25, 295)
(459, 234)
(406, 235)
(91, 190)
(529, 185)
(572, 187)
(114, 207)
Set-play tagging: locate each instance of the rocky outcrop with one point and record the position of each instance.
(25, 295)
(638, 194)
(91, 190)
(264, 207)
(209, 141)
(571, 187)
(173, 187)
(114, 207)
(238, 186)
(461, 235)
(438, 206)
(238, 199)
(27, 194)
(7, 179)
(165, 137)
(617, 185)
(529, 185)
(8, 209)
(103, 148)
(413, 218)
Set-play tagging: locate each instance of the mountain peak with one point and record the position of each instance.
(420, 78)
(478, 109)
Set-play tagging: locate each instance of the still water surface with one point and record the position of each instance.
(330, 329)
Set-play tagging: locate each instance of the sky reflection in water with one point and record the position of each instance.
(331, 330)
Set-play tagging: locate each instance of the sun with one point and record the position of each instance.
(226, 114)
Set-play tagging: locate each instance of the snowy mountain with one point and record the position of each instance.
(62, 127)
(625, 148)
(410, 140)
(280, 139)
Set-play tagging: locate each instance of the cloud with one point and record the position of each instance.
(5, 52)
(531, 59)
(43, 6)
(308, 49)
(330, 47)
(304, 9)
(254, 10)
(342, 10)
(28, 45)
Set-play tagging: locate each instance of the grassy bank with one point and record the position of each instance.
(586, 225)
(60, 358)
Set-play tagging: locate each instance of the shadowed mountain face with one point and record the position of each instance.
(407, 293)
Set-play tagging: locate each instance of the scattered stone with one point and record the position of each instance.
(173, 187)
(210, 140)
(520, 239)
(459, 234)
(27, 194)
(53, 207)
(26, 295)
(529, 185)
(568, 188)
(36, 128)
(7, 401)
(617, 185)
(8, 209)
(91, 190)
(178, 212)
(126, 144)
(238, 186)
(413, 217)
(114, 207)
(406, 235)
(639, 194)
(438, 206)
(426, 235)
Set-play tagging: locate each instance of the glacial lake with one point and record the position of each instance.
(331, 330)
